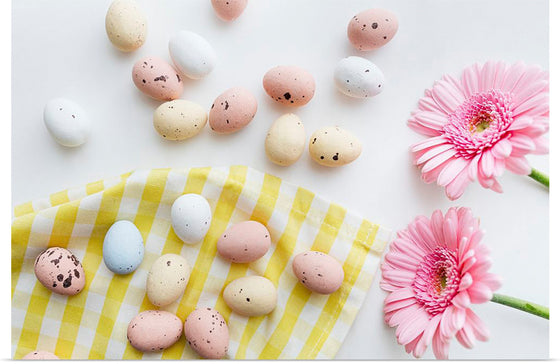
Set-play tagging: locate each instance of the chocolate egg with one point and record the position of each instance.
(318, 271)
(207, 333)
(154, 330)
(244, 242)
(60, 271)
(232, 110)
(157, 79)
(289, 85)
(372, 28)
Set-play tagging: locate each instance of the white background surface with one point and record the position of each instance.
(60, 49)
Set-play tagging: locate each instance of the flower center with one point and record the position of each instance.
(479, 122)
(437, 280)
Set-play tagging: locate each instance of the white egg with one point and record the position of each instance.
(67, 122)
(123, 247)
(192, 54)
(358, 77)
(191, 217)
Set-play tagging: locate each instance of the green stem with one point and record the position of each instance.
(539, 177)
(522, 305)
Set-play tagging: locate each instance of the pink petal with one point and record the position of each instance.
(402, 261)
(497, 187)
(431, 153)
(493, 281)
(428, 335)
(520, 123)
(440, 346)
(446, 96)
(502, 149)
(541, 145)
(530, 91)
(473, 168)
(411, 346)
(457, 187)
(469, 79)
(479, 293)
(436, 223)
(535, 106)
(450, 233)
(518, 165)
(451, 170)
(401, 316)
(522, 143)
(400, 294)
(501, 69)
(513, 75)
(466, 282)
(461, 300)
(479, 328)
(438, 160)
(487, 164)
(465, 336)
(398, 305)
(428, 143)
(408, 331)
(399, 278)
(531, 74)
(487, 75)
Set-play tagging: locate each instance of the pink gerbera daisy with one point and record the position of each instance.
(481, 124)
(435, 270)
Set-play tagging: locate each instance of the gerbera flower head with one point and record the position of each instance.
(435, 270)
(480, 124)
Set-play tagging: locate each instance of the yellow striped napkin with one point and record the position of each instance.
(93, 324)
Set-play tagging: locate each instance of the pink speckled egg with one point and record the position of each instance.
(40, 355)
(207, 333)
(154, 330)
(60, 271)
(372, 28)
(289, 85)
(157, 79)
(232, 110)
(318, 271)
(229, 10)
(244, 242)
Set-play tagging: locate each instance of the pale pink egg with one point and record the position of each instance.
(244, 242)
(372, 28)
(60, 271)
(289, 85)
(232, 110)
(318, 271)
(154, 330)
(207, 333)
(229, 10)
(40, 355)
(157, 79)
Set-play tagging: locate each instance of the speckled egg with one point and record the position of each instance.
(126, 25)
(289, 85)
(358, 77)
(154, 330)
(251, 296)
(192, 54)
(123, 247)
(40, 355)
(207, 333)
(229, 10)
(60, 271)
(167, 279)
(157, 79)
(234, 109)
(285, 140)
(372, 28)
(318, 271)
(179, 119)
(244, 242)
(67, 122)
(191, 217)
(333, 146)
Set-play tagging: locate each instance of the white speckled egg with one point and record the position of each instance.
(192, 54)
(207, 333)
(60, 271)
(191, 217)
(67, 122)
(358, 77)
(126, 25)
(40, 355)
(251, 296)
(333, 146)
(154, 330)
(285, 141)
(123, 247)
(244, 242)
(167, 279)
(318, 271)
(179, 119)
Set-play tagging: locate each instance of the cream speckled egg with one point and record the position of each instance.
(358, 77)
(244, 242)
(229, 10)
(126, 25)
(318, 271)
(289, 85)
(372, 28)
(67, 122)
(191, 217)
(154, 330)
(333, 146)
(285, 141)
(179, 119)
(157, 79)
(192, 54)
(40, 355)
(207, 333)
(60, 271)
(251, 296)
(234, 109)
(167, 279)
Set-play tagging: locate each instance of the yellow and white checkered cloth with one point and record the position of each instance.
(93, 324)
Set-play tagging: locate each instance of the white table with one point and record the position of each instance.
(60, 49)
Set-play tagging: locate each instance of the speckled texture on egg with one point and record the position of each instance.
(319, 272)
(289, 85)
(154, 330)
(126, 25)
(229, 10)
(358, 77)
(234, 109)
(285, 140)
(244, 242)
(333, 146)
(191, 217)
(40, 355)
(372, 29)
(251, 296)
(67, 122)
(123, 247)
(179, 119)
(157, 79)
(167, 279)
(60, 271)
(207, 333)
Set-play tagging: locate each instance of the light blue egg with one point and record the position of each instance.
(123, 248)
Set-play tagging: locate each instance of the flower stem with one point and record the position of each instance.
(539, 177)
(522, 305)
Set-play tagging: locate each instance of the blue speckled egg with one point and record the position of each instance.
(123, 248)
